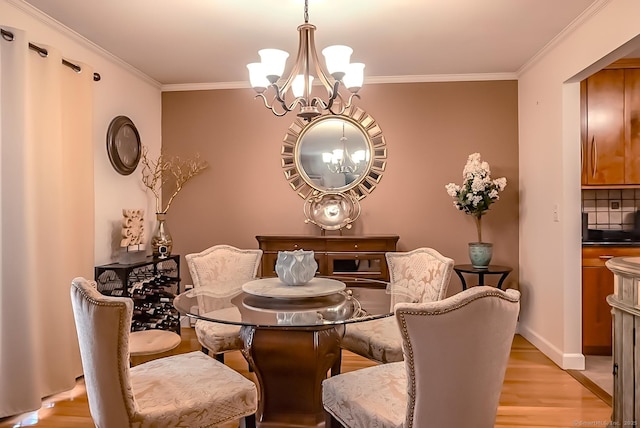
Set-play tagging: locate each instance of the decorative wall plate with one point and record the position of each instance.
(123, 145)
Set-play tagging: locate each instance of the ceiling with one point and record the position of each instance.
(211, 41)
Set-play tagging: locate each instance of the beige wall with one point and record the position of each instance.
(549, 124)
(122, 91)
(430, 130)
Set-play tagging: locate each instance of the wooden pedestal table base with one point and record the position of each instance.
(290, 364)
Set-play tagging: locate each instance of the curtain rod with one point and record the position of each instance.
(8, 36)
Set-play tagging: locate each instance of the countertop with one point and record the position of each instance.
(611, 238)
(611, 243)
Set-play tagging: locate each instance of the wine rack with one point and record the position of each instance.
(152, 284)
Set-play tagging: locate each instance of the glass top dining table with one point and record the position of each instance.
(273, 305)
(291, 335)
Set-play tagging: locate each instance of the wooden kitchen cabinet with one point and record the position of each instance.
(603, 133)
(632, 127)
(361, 257)
(597, 284)
(610, 126)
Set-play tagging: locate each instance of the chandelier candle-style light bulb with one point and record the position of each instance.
(337, 58)
(273, 63)
(354, 78)
(338, 155)
(267, 76)
(358, 156)
(297, 87)
(257, 77)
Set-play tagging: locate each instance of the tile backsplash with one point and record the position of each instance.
(611, 208)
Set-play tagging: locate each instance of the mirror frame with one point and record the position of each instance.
(117, 152)
(358, 189)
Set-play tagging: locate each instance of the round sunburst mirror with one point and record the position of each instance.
(335, 153)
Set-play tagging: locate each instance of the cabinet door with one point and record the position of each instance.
(632, 128)
(583, 132)
(597, 284)
(358, 265)
(605, 144)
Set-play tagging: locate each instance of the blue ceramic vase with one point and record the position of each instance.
(480, 254)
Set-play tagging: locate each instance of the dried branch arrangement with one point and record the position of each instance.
(173, 171)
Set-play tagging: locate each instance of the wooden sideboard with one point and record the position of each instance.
(361, 257)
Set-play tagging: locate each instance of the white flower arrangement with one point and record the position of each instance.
(478, 191)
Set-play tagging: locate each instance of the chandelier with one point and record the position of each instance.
(340, 161)
(265, 76)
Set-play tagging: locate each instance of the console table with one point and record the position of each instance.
(360, 257)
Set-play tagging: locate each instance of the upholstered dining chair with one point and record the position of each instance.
(226, 268)
(189, 389)
(421, 275)
(455, 356)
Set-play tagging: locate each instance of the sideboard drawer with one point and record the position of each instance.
(358, 265)
(356, 245)
(293, 244)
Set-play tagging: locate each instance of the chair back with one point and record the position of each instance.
(103, 324)
(456, 353)
(421, 275)
(224, 267)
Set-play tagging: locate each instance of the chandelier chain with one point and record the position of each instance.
(306, 11)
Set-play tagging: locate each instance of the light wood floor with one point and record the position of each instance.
(536, 393)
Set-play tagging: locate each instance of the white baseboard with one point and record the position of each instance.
(565, 361)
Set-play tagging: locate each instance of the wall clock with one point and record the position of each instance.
(123, 145)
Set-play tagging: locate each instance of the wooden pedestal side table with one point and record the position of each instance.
(503, 271)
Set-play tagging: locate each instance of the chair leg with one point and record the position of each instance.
(250, 421)
(220, 357)
(335, 369)
(330, 421)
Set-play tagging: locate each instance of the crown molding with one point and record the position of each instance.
(474, 77)
(80, 39)
(177, 87)
(592, 10)
(370, 80)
